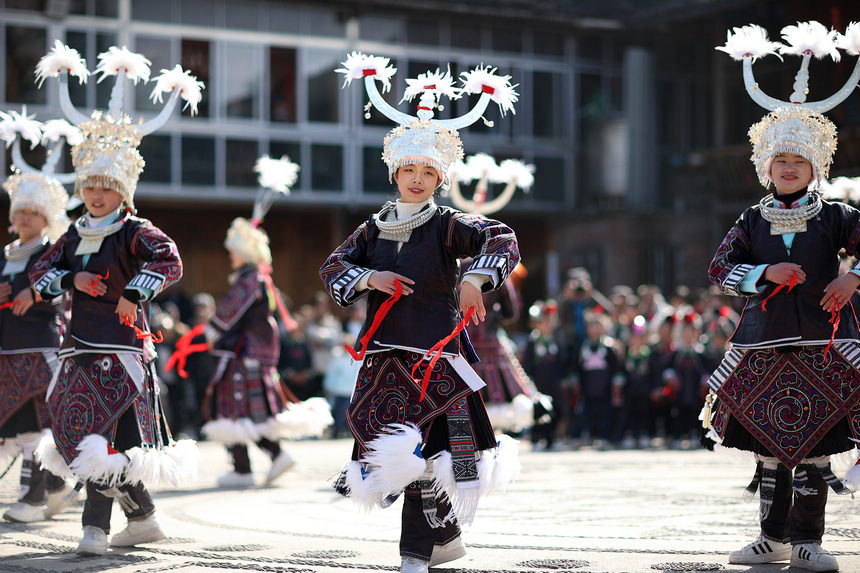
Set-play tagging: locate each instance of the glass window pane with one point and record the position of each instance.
(375, 178)
(549, 179)
(31, 5)
(465, 35)
(195, 59)
(106, 8)
(293, 151)
(593, 100)
(243, 154)
(243, 88)
(507, 39)
(548, 43)
(24, 48)
(153, 10)
(283, 18)
(104, 40)
(381, 29)
(547, 109)
(77, 90)
(282, 73)
(422, 31)
(589, 48)
(198, 159)
(157, 51)
(323, 88)
(244, 15)
(325, 22)
(326, 167)
(156, 152)
(202, 12)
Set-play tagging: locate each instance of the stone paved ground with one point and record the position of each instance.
(583, 511)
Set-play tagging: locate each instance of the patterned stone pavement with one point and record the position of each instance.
(582, 511)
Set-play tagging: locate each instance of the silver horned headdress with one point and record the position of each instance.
(421, 138)
(794, 126)
(483, 170)
(108, 155)
(38, 189)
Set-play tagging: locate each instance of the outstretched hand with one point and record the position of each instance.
(470, 297)
(781, 273)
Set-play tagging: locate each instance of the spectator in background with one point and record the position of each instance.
(338, 382)
(543, 361)
(687, 377)
(636, 421)
(295, 364)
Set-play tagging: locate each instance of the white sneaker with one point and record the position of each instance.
(235, 480)
(452, 550)
(94, 541)
(413, 565)
(57, 501)
(813, 557)
(280, 465)
(138, 531)
(23, 512)
(762, 550)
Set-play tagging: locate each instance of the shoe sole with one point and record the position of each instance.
(90, 553)
(758, 559)
(448, 558)
(140, 542)
(269, 480)
(810, 566)
(11, 519)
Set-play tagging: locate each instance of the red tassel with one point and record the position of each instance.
(96, 280)
(9, 304)
(111, 450)
(436, 353)
(834, 320)
(377, 320)
(790, 284)
(184, 348)
(282, 308)
(142, 334)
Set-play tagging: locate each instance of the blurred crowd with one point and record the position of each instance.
(624, 369)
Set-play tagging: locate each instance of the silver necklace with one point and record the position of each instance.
(15, 251)
(401, 229)
(784, 221)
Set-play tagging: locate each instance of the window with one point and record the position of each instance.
(195, 60)
(422, 31)
(202, 12)
(198, 160)
(243, 154)
(375, 179)
(380, 29)
(157, 152)
(103, 8)
(593, 100)
(293, 151)
(548, 43)
(325, 22)
(282, 94)
(157, 51)
(549, 179)
(466, 36)
(153, 10)
(326, 167)
(242, 88)
(547, 111)
(323, 88)
(24, 49)
(507, 39)
(82, 94)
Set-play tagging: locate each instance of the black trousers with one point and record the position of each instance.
(794, 517)
(417, 538)
(39, 482)
(134, 500)
(239, 453)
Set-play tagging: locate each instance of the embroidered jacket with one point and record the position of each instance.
(244, 320)
(794, 317)
(430, 258)
(39, 328)
(139, 261)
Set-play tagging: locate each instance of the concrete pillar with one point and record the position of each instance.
(640, 110)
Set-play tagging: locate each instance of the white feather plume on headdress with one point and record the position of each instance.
(479, 164)
(136, 66)
(189, 88)
(357, 64)
(749, 41)
(850, 42)
(810, 37)
(54, 129)
(276, 174)
(442, 82)
(514, 170)
(61, 57)
(842, 189)
(483, 79)
(13, 123)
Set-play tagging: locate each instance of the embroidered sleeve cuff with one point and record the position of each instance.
(147, 282)
(737, 274)
(211, 333)
(749, 284)
(53, 283)
(495, 266)
(343, 289)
